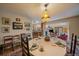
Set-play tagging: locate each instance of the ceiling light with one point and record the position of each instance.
(45, 17)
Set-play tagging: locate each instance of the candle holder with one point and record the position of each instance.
(41, 49)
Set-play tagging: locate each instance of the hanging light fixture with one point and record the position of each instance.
(45, 15)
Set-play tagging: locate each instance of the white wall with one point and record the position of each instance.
(12, 16)
(74, 25)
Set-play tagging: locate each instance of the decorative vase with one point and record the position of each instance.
(47, 38)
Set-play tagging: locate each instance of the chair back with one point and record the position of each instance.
(72, 38)
(16, 40)
(74, 46)
(8, 43)
(25, 45)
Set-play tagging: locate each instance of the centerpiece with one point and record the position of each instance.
(47, 38)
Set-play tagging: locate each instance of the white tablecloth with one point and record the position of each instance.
(50, 48)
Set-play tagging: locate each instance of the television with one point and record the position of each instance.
(51, 30)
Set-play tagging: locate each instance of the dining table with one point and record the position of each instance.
(40, 47)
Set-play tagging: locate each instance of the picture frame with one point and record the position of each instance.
(27, 28)
(5, 29)
(18, 19)
(26, 24)
(17, 25)
(5, 21)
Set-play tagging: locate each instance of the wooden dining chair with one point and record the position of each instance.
(72, 43)
(74, 46)
(25, 45)
(69, 50)
(8, 43)
(16, 41)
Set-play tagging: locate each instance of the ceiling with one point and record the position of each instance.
(34, 10)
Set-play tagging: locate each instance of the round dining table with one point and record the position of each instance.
(49, 48)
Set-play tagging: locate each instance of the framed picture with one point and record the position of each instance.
(18, 19)
(5, 29)
(26, 24)
(5, 21)
(27, 28)
(17, 25)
